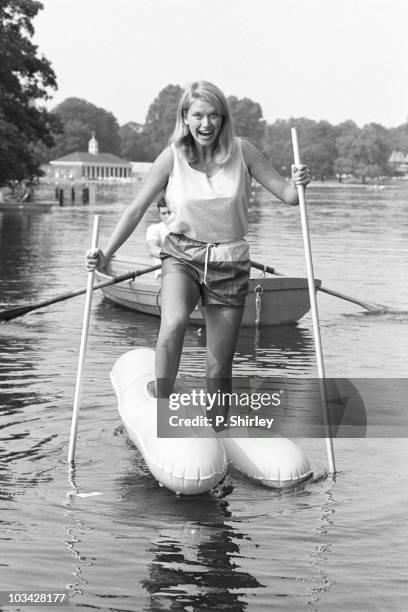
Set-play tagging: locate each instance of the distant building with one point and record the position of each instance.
(399, 162)
(81, 166)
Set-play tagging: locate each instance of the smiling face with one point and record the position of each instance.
(204, 122)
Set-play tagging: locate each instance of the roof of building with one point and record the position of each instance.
(398, 157)
(80, 157)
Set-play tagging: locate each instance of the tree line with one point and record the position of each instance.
(330, 150)
(30, 135)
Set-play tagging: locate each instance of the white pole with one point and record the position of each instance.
(313, 304)
(82, 350)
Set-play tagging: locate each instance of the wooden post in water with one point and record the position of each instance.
(85, 195)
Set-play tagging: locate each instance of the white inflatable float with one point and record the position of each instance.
(272, 462)
(184, 465)
(195, 465)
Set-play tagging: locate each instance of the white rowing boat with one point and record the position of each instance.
(272, 300)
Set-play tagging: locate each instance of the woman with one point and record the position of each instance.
(206, 174)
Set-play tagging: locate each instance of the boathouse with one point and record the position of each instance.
(91, 165)
(399, 162)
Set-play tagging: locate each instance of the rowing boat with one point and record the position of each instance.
(271, 300)
(36, 205)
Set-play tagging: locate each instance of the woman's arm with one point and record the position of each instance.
(155, 182)
(268, 177)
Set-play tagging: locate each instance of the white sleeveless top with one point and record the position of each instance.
(209, 209)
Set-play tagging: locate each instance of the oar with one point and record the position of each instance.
(82, 350)
(19, 311)
(371, 306)
(313, 304)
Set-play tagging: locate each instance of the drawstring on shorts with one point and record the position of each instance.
(208, 248)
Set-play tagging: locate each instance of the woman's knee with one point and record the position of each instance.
(219, 368)
(173, 326)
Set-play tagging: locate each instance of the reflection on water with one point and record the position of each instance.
(319, 556)
(198, 553)
(191, 555)
(193, 564)
(284, 349)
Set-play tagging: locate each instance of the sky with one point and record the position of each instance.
(322, 59)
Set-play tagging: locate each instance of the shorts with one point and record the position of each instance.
(220, 270)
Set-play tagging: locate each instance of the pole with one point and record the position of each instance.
(313, 305)
(82, 350)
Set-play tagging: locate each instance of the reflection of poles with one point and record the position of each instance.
(72, 540)
(313, 304)
(321, 582)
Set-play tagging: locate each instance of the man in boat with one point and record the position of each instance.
(157, 232)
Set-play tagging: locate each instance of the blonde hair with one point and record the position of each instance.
(182, 138)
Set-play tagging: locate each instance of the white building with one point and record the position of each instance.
(81, 166)
(399, 162)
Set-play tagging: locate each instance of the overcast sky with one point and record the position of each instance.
(322, 59)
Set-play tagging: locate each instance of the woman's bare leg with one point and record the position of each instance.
(180, 295)
(223, 325)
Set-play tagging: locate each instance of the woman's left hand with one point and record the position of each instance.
(301, 175)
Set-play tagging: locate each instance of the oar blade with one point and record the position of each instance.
(372, 307)
(13, 313)
(19, 311)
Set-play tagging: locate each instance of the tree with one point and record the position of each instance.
(134, 142)
(345, 134)
(319, 148)
(160, 120)
(247, 119)
(26, 79)
(316, 143)
(368, 149)
(79, 119)
(398, 138)
(277, 145)
(346, 128)
(342, 166)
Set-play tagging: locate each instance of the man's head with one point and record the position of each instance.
(162, 209)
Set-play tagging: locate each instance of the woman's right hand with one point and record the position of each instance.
(95, 259)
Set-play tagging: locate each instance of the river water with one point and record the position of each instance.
(105, 531)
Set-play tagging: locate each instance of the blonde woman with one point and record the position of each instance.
(205, 173)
